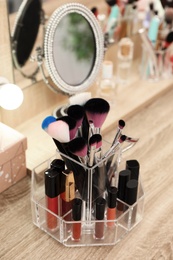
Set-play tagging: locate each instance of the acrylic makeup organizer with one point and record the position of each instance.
(112, 235)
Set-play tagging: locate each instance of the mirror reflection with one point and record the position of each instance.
(74, 49)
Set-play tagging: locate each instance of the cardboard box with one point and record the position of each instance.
(12, 156)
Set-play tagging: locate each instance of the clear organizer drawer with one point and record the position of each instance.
(89, 230)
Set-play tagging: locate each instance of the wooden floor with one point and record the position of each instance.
(152, 239)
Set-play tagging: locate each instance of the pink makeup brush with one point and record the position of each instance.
(96, 110)
(113, 148)
(78, 147)
(77, 112)
(121, 125)
(72, 125)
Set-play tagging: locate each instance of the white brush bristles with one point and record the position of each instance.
(59, 130)
(80, 98)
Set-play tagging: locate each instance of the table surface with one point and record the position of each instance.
(151, 239)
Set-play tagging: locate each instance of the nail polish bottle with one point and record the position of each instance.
(107, 82)
(111, 202)
(100, 212)
(125, 57)
(124, 177)
(76, 216)
(52, 191)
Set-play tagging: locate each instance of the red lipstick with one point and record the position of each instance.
(52, 177)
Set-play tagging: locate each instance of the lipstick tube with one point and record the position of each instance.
(130, 199)
(111, 209)
(124, 177)
(76, 216)
(100, 212)
(52, 191)
(134, 167)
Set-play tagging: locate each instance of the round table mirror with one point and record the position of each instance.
(73, 48)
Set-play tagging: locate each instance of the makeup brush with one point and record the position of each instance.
(78, 147)
(113, 148)
(92, 149)
(96, 110)
(77, 112)
(61, 136)
(48, 120)
(132, 141)
(58, 130)
(71, 123)
(121, 125)
(98, 151)
(80, 98)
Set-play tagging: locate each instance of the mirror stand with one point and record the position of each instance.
(39, 59)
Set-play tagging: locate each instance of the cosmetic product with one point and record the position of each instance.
(148, 56)
(153, 29)
(149, 15)
(69, 193)
(112, 21)
(52, 191)
(111, 205)
(130, 199)
(76, 216)
(100, 212)
(107, 82)
(58, 164)
(124, 177)
(125, 57)
(128, 17)
(134, 167)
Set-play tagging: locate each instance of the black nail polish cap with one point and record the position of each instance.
(77, 209)
(52, 182)
(112, 197)
(100, 208)
(131, 192)
(124, 177)
(134, 167)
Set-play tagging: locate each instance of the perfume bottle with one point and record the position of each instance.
(107, 82)
(125, 57)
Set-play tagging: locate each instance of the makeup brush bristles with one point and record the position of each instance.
(78, 147)
(96, 110)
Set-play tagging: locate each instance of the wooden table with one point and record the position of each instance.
(151, 239)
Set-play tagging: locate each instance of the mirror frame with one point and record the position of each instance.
(48, 47)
